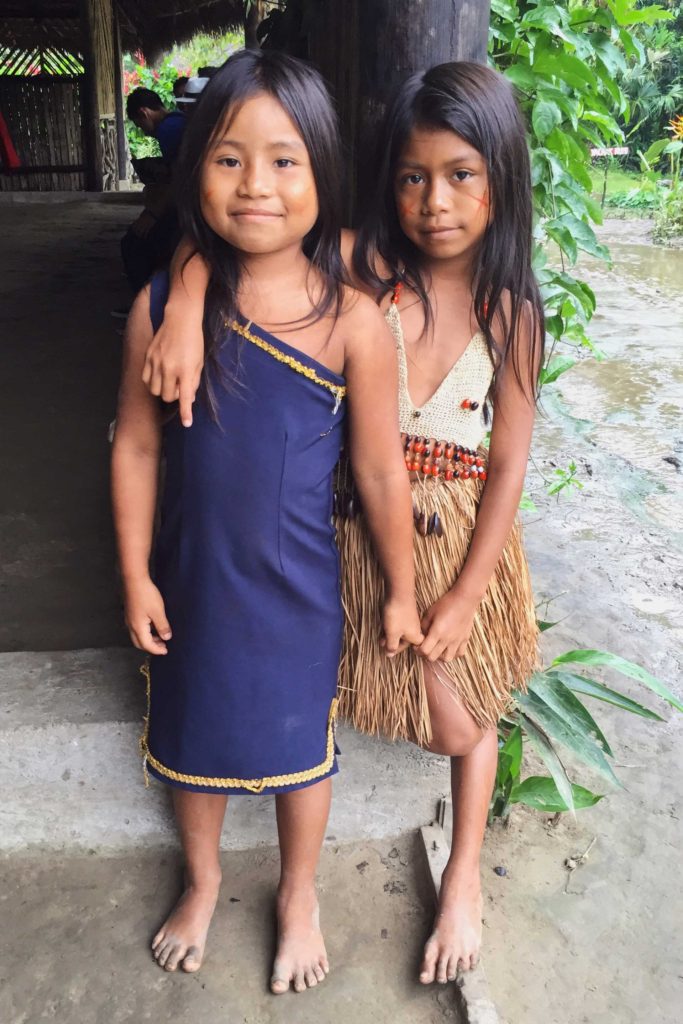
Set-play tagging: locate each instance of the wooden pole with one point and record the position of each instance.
(121, 150)
(91, 115)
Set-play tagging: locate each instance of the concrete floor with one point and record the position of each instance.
(59, 361)
(78, 948)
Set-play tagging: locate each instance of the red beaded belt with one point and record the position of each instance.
(439, 460)
(442, 459)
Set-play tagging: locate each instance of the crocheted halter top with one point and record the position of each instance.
(444, 416)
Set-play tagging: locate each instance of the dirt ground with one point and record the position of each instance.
(78, 952)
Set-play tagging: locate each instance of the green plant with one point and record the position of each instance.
(669, 216)
(564, 59)
(551, 715)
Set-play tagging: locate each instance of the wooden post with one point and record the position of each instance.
(121, 148)
(91, 115)
(364, 48)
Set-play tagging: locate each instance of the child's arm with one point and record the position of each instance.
(448, 623)
(134, 474)
(175, 357)
(378, 465)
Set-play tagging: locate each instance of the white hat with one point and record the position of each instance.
(193, 90)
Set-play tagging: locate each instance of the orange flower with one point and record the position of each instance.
(676, 127)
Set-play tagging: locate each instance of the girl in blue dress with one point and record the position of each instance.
(242, 614)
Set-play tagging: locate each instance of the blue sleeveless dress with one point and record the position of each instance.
(246, 561)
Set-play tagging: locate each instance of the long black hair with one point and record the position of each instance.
(301, 92)
(479, 105)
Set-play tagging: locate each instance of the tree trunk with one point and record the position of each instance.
(364, 48)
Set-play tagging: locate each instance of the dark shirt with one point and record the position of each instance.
(170, 134)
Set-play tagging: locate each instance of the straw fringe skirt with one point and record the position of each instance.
(388, 696)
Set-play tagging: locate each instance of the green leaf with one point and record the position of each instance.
(566, 68)
(592, 688)
(545, 116)
(651, 155)
(526, 504)
(544, 625)
(585, 748)
(627, 668)
(522, 77)
(560, 698)
(514, 748)
(581, 233)
(564, 238)
(555, 368)
(543, 746)
(542, 794)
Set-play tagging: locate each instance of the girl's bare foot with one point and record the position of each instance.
(456, 939)
(301, 958)
(181, 939)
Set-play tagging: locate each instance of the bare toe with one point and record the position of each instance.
(441, 970)
(192, 960)
(319, 972)
(429, 963)
(311, 979)
(452, 970)
(299, 982)
(278, 985)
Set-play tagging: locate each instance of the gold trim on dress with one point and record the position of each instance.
(338, 390)
(253, 785)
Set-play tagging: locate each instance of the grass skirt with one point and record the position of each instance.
(388, 696)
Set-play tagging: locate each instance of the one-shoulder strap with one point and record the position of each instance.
(158, 296)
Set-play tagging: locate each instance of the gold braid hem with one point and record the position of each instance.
(252, 785)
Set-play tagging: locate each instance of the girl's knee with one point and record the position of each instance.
(455, 733)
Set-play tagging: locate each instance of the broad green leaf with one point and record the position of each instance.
(582, 234)
(547, 17)
(555, 368)
(627, 668)
(542, 794)
(652, 154)
(545, 116)
(610, 55)
(526, 504)
(561, 699)
(585, 748)
(626, 14)
(592, 688)
(522, 76)
(564, 238)
(566, 68)
(543, 746)
(514, 748)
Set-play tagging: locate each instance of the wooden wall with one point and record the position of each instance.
(43, 114)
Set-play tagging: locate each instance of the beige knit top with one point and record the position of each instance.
(442, 417)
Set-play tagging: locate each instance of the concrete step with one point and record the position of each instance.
(71, 774)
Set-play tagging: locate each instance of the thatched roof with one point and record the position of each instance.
(152, 26)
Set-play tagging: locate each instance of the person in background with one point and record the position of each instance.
(149, 242)
(179, 86)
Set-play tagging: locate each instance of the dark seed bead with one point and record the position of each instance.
(351, 508)
(422, 524)
(416, 414)
(474, 406)
(431, 523)
(416, 513)
(438, 525)
(335, 504)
